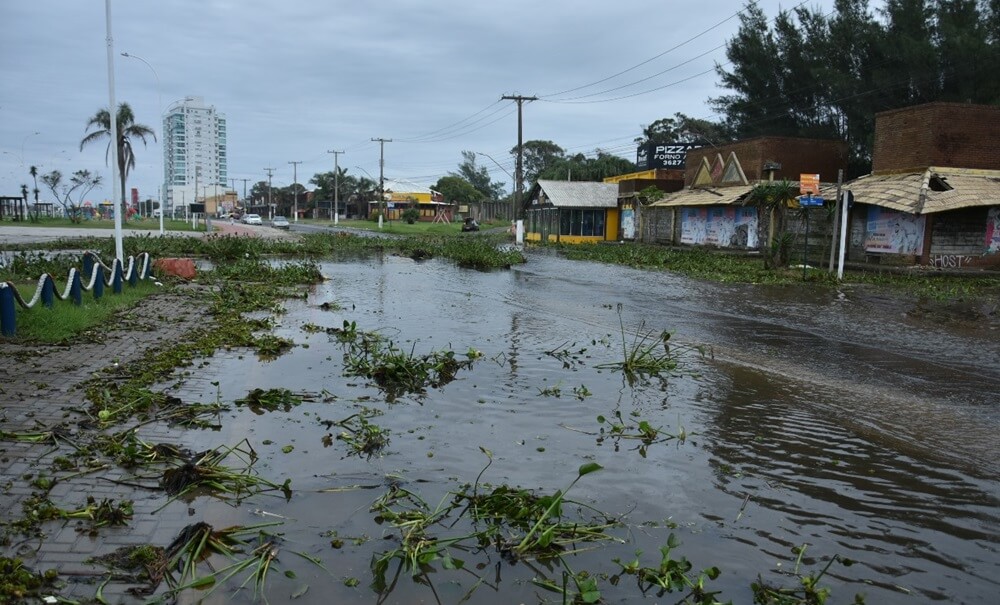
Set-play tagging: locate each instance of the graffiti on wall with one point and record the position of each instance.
(719, 226)
(993, 230)
(950, 261)
(893, 232)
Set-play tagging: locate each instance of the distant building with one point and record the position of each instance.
(194, 153)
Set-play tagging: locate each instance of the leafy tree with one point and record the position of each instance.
(771, 200)
(967, 75)
(910, 60)
(81, 183)
(458, 190)
(581, 168)
(326, 182)
(684, 129)
(754, 107)
(478, 177)
(538, 156)
(128, 130)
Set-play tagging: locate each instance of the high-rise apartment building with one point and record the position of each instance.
(194, 153)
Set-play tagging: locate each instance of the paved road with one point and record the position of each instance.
(22, 235)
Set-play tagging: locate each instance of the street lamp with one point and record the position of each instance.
(159, 108)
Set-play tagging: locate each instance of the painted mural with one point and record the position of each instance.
(993, 230)
(722, 226)
(628, 223)
(892, 232)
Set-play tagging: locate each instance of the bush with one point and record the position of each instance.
(373, 217)
(411, 215)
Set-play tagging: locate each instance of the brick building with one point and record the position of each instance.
(933, 197)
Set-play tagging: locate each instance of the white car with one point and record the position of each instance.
(279, 222)
(252, 219)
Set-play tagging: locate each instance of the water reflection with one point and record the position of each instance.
(848, 438)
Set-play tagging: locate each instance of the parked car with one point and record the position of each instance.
(252, 219)
(279, 222)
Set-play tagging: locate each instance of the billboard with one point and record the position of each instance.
(663, 155)
(893, 232)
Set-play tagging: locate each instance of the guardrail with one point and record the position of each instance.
(45, 293)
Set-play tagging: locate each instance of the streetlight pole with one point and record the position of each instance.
(113, 123)
(159, 107)
(336, 185)
(295, 188)
(519, 99)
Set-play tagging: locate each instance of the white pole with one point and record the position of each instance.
(843, 233)
(112, 111)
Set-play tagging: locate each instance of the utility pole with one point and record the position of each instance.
(336, 185)
(295, 188)
(244, 190)
(519, 168)
(270, 206)
(381, 175)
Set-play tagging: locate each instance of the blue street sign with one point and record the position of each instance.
(810, 200)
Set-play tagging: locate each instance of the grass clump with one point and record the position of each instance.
(18, 583)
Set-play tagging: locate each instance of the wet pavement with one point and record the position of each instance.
(837, 419)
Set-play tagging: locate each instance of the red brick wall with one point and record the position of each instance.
(950, 135)
(796, 156)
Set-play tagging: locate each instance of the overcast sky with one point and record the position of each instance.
(297, 78)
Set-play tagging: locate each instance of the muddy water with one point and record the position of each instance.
(833, 420)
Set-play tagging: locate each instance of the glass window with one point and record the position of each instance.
(565, 220)
(587, 222)
(599, 223)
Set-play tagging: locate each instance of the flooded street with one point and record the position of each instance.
(833, 420)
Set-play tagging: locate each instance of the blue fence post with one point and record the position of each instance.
(76, 289)
(88, 263)
(48, 291)
(133, 277)
(8, 315)
(116, 281)
(99, 283)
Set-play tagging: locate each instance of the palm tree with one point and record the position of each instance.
(127, 131)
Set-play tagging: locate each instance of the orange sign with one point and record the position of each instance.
(809, 183)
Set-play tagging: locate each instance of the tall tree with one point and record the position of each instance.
(684, 129)
(755, 105)
(963, 51)
(910, 62)
(538, 155)
(478, 177)
(456, 189)
(128, 130)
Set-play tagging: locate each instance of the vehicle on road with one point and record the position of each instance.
(279, 222)
(252, 219)
(470, 224)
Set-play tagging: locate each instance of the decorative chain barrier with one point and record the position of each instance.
(46, 292)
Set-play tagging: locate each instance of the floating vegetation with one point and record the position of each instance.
(671, 575)
(270, 400)
(807, 592)
(648, 354)
(270, 347)
(206, 471)
(146, 565)
(363, 437)
(397, 372)
(569, 357)
(252, 550)
(517, 523)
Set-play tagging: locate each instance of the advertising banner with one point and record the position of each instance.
(726, 227)
(670, 155)
(893, 232)
(993, 230)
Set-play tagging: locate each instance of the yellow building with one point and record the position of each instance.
(571, 212)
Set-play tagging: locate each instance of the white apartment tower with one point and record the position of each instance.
(194, 153)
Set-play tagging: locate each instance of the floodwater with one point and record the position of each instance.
(837, 421)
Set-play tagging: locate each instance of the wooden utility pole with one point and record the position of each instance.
(270, 206)
(519, 166)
